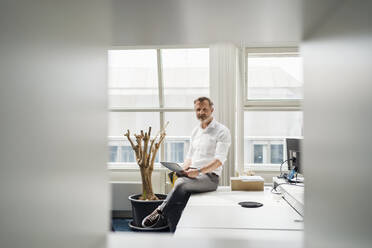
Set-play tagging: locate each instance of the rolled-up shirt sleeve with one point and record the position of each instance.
(223, 145)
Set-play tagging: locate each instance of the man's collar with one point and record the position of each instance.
(212, 124)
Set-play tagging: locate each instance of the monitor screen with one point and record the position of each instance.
(294, 154)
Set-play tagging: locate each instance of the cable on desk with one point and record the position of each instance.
(281, 173)
(278, 193)
(281, 165)
(293, 184)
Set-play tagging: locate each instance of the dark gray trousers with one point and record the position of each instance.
(176, 200)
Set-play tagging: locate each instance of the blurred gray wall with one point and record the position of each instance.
(53, 184)
(190, 22)
(337, 51)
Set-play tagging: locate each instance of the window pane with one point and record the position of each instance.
(122, 151)
(119, 122)
(180, 123)
(133, 78)
(273, 123)
(185, 76)
(265, 133)
(276, 154)
(175, 151)
(258, 154)
(127, 154)
(179, 131)
(274, 76)
(113, 153)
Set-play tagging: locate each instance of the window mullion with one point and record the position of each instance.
(118, 155)
(160, 78)
(269, 152)
(161, 99)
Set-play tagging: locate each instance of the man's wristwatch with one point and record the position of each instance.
(200, 172)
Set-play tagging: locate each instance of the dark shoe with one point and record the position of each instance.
(154, 219)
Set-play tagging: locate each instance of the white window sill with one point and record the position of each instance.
(158, 167)
(265, 167)
(131, 167)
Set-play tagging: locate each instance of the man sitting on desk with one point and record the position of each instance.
(202, 168)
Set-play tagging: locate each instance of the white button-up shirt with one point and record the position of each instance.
(209, 144)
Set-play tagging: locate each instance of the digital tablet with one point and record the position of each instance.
(172, 166)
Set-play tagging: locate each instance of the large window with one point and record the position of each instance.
(265, 132)
(150, 87)
(272, 112)
(133, 78)
(274, 76)
(185, 76)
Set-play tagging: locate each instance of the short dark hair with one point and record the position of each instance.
(204, 98)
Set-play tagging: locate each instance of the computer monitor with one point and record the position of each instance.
(294, 154)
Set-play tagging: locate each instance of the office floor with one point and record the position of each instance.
(121, 225)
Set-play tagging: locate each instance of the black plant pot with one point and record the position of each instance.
(141, 208)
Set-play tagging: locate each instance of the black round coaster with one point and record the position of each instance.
(249, 204)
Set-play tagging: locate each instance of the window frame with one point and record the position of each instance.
(160, 109)
(267, 104)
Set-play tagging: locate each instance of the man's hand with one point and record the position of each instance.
(181, 174)
(192, 173)
(186, 165)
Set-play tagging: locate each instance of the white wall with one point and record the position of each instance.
(338, 119)
(187, 22)
(53, 181)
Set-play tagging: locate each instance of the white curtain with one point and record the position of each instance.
(223, 79)
(239, 131)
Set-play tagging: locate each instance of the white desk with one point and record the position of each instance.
(217, 214)
(215, 220)
(220, 209)
(293, 194)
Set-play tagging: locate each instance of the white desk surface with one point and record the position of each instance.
(293, 194)
(291, 237)
(215, 220)
(296, 191)
(220, 210)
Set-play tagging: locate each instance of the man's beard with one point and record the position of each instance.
(202, 117)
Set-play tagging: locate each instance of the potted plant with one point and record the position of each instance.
(145, 151)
